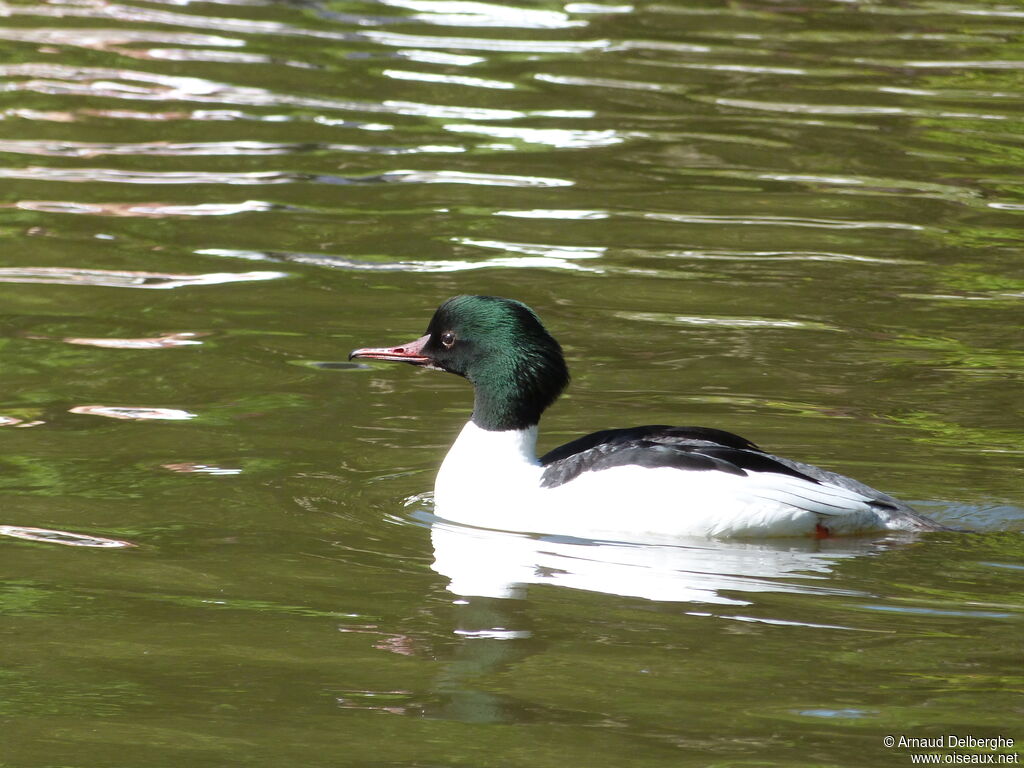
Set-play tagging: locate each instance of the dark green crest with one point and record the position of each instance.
(516, 367)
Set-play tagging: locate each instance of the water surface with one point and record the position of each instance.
(797, 222)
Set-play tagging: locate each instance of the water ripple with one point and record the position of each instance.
(97, 9)
(208, 148)
(781, 221)
(956, 64)
(59, 80)
(109, 175)
(133, 414)
(433, 77)
(462, 13)
(553, 213)
(125, 279)
(530, 257)
(561, 138)
(66, 538)
(201, 469)
(144, 210)
(484, 179)
(154, 148)
(165, 341)
(400, 40)
(865, 110)
(113, 39)
(720, 321)
(785, 256)
(607, 82)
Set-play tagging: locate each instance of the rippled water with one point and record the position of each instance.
(799, 222)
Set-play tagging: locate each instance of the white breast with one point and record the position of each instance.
(487, 476)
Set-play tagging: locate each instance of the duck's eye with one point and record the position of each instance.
(448, 339)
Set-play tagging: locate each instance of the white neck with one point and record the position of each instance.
(482, 465)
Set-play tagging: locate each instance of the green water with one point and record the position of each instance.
(801, 223)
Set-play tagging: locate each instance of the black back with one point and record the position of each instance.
(657, 445)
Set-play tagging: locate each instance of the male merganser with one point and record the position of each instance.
(644, 484)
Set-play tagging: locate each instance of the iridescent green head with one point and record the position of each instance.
(516, 367)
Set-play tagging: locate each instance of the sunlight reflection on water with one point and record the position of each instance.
(65, 538)
(133, 414)
(125, 279)
(489, 563)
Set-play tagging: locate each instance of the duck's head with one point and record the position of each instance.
(516, 367)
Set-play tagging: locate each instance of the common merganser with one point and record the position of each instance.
(645, 484)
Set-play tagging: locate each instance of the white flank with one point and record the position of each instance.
(492, 480)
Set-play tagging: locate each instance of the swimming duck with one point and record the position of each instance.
(642, 484)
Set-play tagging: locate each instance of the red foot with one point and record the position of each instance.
(821, 532)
